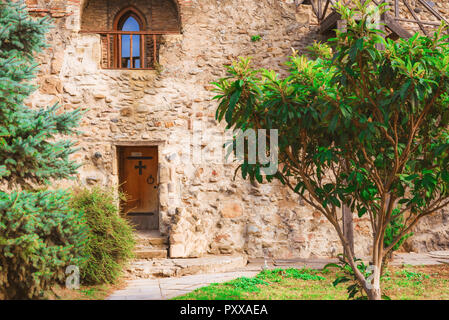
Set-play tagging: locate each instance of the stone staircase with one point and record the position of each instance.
(151, 245)
(152, 260)
(162, 268)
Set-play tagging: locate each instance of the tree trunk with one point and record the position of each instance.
(372, 288)
(348, 228)
(346, 213)
(372, 284)
(374, 294)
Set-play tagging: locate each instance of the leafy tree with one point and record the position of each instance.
(39, 234)
(357, 126)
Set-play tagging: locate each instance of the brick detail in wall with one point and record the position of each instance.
(159, 15)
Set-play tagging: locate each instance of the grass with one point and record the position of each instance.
(401, 283)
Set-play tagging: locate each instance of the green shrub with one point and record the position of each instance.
(111, 240)
(39, 237)
(256, 38)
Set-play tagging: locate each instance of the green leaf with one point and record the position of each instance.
(233, 101)
(404, 88)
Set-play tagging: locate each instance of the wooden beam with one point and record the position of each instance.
(396, 8)
(154, 50)
(320, 17)
(395, 27)
(435, 13)
(108, 48)
(330, 22)
(326, 6)
(131, 52)
(142, 51)
(119, 51)
(342, 25)
(315, 10)
(415, 17)
(430, 23)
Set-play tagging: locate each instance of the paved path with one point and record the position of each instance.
(417, 259)
(166, 288)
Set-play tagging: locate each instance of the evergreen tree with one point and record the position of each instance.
(39, 233)
(26, 153)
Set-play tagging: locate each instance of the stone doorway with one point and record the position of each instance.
(138, 179)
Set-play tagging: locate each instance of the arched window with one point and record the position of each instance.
(130, 47)
(131, 40)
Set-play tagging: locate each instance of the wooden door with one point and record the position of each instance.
(139, 181)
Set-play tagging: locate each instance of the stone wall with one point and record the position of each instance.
(202, 208)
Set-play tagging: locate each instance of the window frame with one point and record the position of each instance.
(120, 18)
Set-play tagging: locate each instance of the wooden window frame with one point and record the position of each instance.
(119, 20)
(113, 56)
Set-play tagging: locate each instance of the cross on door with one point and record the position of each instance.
(140, 167)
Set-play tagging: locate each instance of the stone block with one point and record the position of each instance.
(126, 111)
(231, 210)
(177, 251)
(50, 85)
(57, 62)
(176, 238)
(142, 109)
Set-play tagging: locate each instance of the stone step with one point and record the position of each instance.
(160, 241)
(157, 268)
(439, 254)
(151, 246)
(150, 238)
(150, 253)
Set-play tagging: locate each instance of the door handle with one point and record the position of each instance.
(150, 179)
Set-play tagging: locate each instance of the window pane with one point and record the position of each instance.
(130, 24)
(136, 51)
(126, 46)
